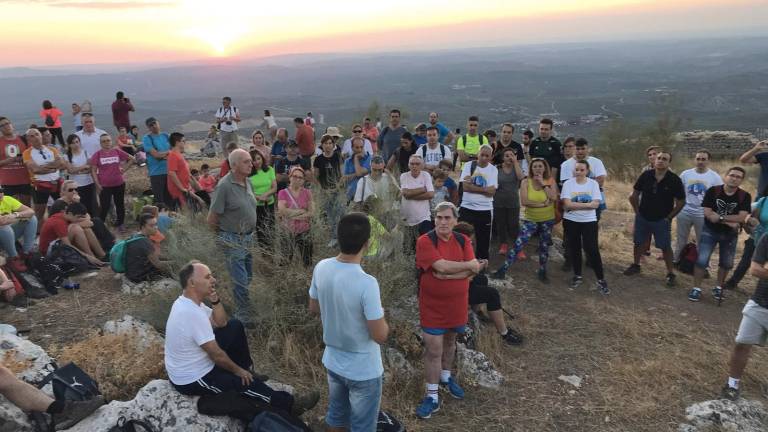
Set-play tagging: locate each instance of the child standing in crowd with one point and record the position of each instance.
(441, 191)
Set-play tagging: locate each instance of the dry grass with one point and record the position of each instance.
(16, 366)
(116, 362)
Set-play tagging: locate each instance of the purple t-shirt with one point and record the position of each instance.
(107, 163)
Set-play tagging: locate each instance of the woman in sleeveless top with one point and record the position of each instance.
(539, 194)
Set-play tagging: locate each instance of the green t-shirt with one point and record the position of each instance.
(262, 182)
(472, 144)
(9, 205)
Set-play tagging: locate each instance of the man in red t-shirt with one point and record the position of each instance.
(446, 270)
(14, 176)
(180, 181)
(305, 138)
(64, 226)
(121, 109)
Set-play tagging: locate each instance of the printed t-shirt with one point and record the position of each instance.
(179, 165)
(54, 228)
(432, 157)
(261, 182)
(296, 226)
(42, 156)
(442, 303)
(581, 193)
(725, 205)
(107, 163)
(487, 176)
(696, 185)
(14, 173)
(415, 211)
(329, 170)
(348, 299)
(188, 327)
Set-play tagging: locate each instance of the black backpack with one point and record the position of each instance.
(69, 382)
(424, 151)
(69, 260)
(269, 421)
(387, 423)
(49, 121)
(51, 275)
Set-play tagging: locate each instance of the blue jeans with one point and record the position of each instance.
(727, 243)
(237, 252)
(353, 404)
(27, 229)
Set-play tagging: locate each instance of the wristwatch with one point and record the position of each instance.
(216, 302)
(722, 218)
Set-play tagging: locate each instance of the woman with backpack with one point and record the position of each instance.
(581, 198)
(538, 193)
(51, 116)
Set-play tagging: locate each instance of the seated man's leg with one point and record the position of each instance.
(27, 230)
(93, 242)
(232, 339)
(21, 394)
(105, 237)
(77, 237)
(8, 241)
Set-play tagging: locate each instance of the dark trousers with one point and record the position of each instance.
(481, 220)
(301, 243)
(88, 198)
(159, 185)
(233, 341)
(583, 234)
(116, 193)
(480, 292)
(205, 196)
(265, 224)
(507, 223)
(57, 134)
(103, 234)
(744, 263)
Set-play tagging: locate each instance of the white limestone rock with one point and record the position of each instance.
(12, 419)
(744, 415)
(19, 350)
(146, 334)
(141, 288)
(476, 368)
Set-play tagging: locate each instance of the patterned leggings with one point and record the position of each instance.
(527, 230)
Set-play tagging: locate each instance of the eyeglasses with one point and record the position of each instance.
(42, 153)
(357, 131)
(701, 159)
(71, 190)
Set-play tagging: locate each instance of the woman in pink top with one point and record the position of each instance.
(295, 210)
(107, 168)
(52, 120)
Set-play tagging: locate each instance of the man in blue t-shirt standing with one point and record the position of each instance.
(446, 136)
(157, 146)
(354, 327)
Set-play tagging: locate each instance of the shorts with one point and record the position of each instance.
(753, 329)
(441, 331)
(710, 239)
(40, 196)
(14, 190)
(661, 230)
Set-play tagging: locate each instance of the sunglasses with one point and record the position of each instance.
(357, 131)
(71, 190)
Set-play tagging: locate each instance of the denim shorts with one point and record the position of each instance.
(353, 404)
(710, 239)
(441, 331)
(661, 230)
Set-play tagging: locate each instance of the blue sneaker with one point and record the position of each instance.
(453, 388)
(694, 295)
(426, 408)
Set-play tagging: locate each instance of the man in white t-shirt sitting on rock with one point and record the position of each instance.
(433, 151)
(696, 182)
(207, 353)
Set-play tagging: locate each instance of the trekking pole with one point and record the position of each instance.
(508, 314)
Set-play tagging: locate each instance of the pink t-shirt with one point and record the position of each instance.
(415, 211)
(107, 163)
(296, 226)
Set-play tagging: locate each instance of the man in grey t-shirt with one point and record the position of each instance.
(233, 217)
(389, 138)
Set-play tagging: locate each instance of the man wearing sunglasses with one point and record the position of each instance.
(357, 132)
(44, 163)
(13, 174)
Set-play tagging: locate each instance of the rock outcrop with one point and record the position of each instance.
(744, 415)
(146, 335)
(142, 288)
(30, 363)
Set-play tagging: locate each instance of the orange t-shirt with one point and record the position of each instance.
(55, 114)
(177, 164)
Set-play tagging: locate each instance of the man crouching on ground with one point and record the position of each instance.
(205, 353)
(447, 262)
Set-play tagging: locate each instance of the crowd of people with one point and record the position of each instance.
(448, 195)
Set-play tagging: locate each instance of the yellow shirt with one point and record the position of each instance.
(538, 214)
(377, 231)
(9, 205)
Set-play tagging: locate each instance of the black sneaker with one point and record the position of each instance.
(729, 393)
(632, 270)
(542, 275)
(74, 411)
(304, 403)
(576, 282)
(671, 279)
(512, 337)
(501, 273)
(602, 286)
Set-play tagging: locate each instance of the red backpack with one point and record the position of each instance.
(688, 257)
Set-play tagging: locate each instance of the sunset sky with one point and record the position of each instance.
(141, 31)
